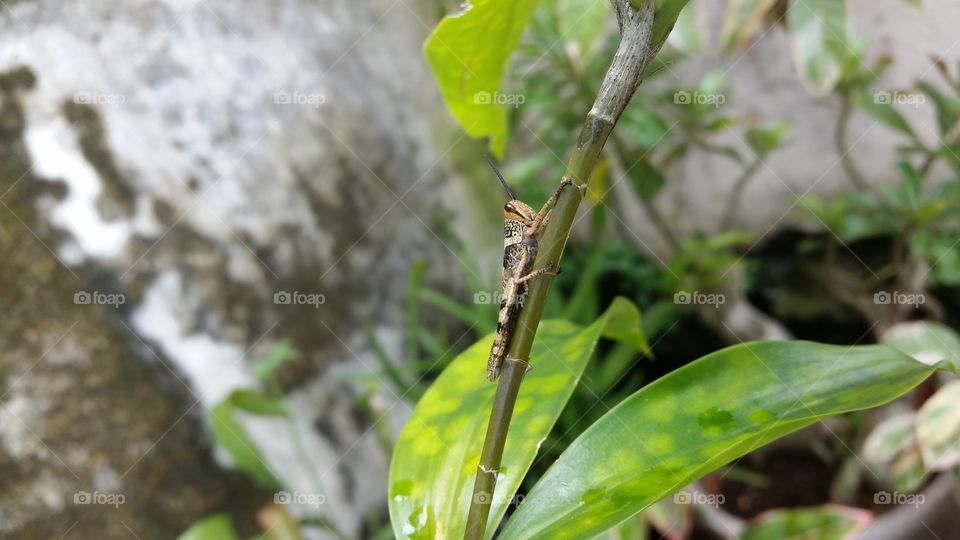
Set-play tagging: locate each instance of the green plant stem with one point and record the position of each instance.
(637, 48)
(738, 188)
(841, 136)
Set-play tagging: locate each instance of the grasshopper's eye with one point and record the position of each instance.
(511, 211)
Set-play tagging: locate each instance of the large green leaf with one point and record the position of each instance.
(468, 54)
(818, 29)
(436, 456)
(698, 418)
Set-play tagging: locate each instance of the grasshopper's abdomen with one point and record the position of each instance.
(517, 257)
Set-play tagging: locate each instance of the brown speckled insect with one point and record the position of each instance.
(520, 229)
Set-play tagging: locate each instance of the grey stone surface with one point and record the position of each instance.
(199, 158)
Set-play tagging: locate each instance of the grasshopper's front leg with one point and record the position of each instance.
(543, 216)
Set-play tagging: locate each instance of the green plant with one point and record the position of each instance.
(656, 440)
(654, 443)
(266, 400)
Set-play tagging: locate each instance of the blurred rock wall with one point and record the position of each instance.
(184, 184)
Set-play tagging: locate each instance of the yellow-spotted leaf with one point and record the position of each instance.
(436, 456)
(698, 418)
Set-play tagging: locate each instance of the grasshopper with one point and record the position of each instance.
(521, 228)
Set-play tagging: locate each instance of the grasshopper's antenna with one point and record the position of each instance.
(506, 187)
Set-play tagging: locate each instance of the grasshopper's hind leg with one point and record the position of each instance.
(543, 271)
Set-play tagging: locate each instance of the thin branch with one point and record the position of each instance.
(841, 140)
(733, 204)
(636, 50)
(615, 154)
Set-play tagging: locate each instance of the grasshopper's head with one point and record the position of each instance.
(519, 211)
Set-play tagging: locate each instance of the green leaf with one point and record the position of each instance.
(643, 127)
(829, 522)
(698, 418)
(435, 460)
(908, 473)
(890, 437)
(468, 55)
(741, 21)
(763, 141)
(927, 342)
(254, 402)
(624, 324)
(455, 308)
(818, 29)
(690, 29)
(948, 107)
(232, 437)
(882, 109)
(664, 18)
(938, 428)
(282, 353)
(215, 527)
(647, 181)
